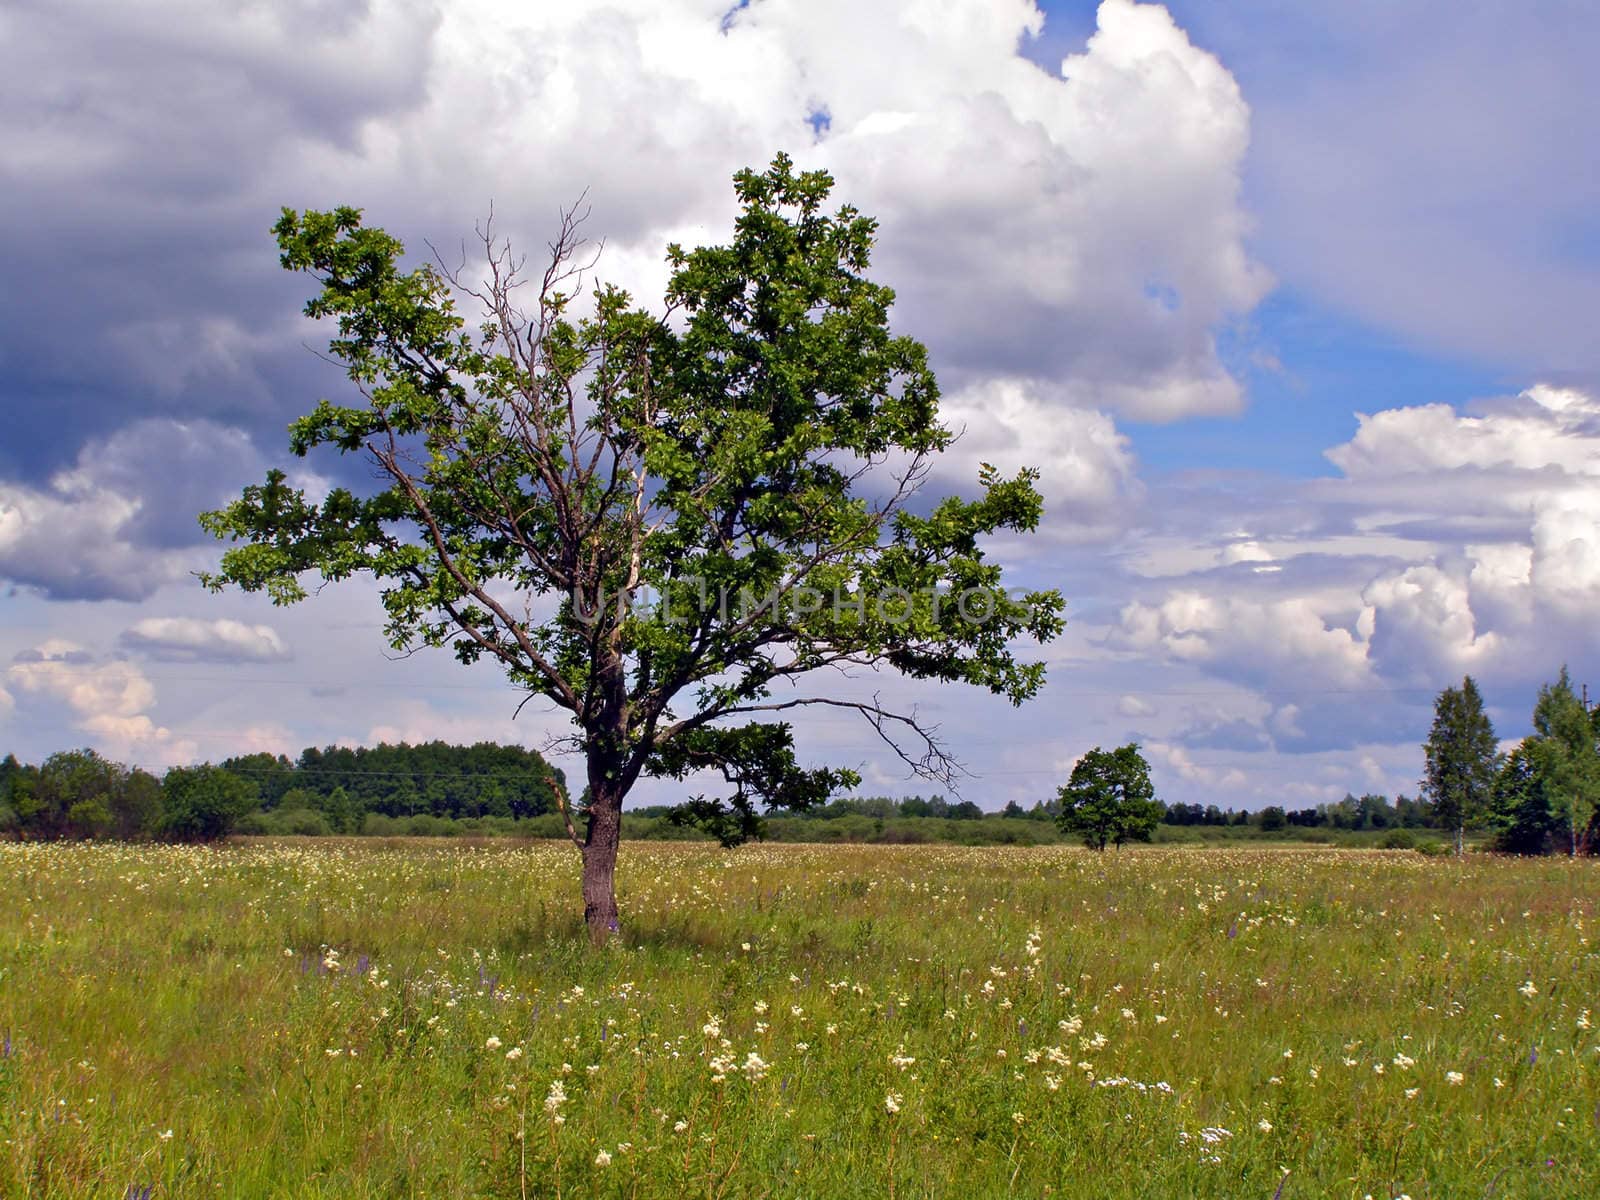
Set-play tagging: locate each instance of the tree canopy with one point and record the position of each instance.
(1110, 799)
(1461, 759)
(1568, 756)
(652, 521)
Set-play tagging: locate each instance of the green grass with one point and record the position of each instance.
(314, 1019)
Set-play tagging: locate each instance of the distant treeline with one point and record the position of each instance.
(433, 779)
(487, 789)
(78, 793)
(1352, 813)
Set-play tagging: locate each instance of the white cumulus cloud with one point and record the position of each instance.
(190, 639)
(108, 700)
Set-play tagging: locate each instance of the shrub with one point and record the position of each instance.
(301, 822)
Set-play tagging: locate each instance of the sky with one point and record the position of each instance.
(1291, 305)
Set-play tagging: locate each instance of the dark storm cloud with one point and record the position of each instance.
(148, 150)
(121, 521)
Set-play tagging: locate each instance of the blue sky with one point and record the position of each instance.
(1291, 304)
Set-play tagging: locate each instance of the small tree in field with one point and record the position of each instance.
(653, 521)
(1110, 798)
(1461, 758)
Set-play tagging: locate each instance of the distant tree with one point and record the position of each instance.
(136, 806)
(71, 796)
(16, 789)
(1273, 819)
(1109, 798)
(1460, 760)
(1376, 811)
(1520, 809)
(1568, 760)
(1409, 813)
(342, 811)
(965, 810)
(204, 803)
(1012, 810)
(273, 774)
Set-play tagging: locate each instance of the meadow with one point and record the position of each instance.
(399, 1018)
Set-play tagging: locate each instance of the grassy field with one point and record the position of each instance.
(348, 1019)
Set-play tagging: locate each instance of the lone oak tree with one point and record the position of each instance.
(1109, 798)
(650, 520)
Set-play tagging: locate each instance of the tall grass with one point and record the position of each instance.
(338, 1019)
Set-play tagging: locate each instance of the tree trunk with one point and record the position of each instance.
(600, 863)
(1461, 841)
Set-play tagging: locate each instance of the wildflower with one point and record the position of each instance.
(679, 1126)
(1499, 1083)
(602, 1159)
(892, 1102)
(288, 953)
(760, 1007)
(514, 1053)
(1264, 1125)
(1454, 1078)
(554, 1100)
(1411, 1093)
(492, 1044)
(1528, 990)
(754, 1068)
(1017, 1118)
(165, 1135)
(1404, 1062)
